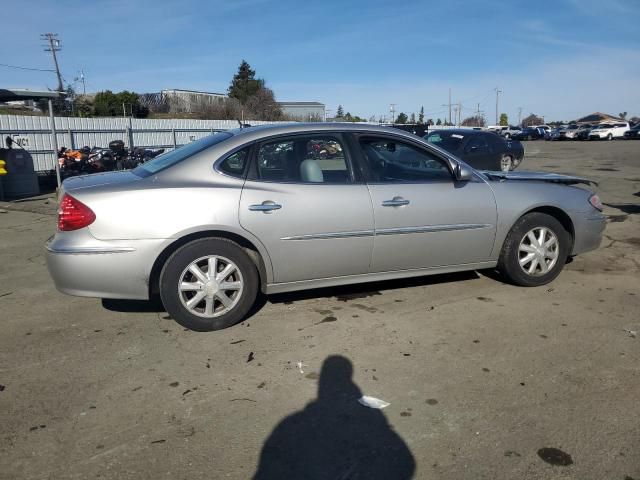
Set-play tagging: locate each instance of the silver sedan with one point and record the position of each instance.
(290, 207)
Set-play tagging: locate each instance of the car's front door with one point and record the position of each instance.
(478, 153)
(423, 217)
(304, 202)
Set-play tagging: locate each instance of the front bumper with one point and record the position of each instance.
(81, 265)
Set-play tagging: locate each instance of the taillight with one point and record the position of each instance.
(73, 214)
(595, 202)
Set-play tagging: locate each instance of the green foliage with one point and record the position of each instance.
(412, 119)
(504, 120)
(109, 104)
(623, 115)
(438, 122)
(401, 118)
(244, 83)
(340, 112)
(532, 119)
(421, 116)
(352, 118)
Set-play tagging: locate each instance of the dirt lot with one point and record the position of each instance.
(485, 380)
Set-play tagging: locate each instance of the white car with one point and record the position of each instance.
(571, 131)
(609, 131)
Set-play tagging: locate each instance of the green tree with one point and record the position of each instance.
(531, 120)
(438, 122)
(340, 112)
(412, 119)
(244, 83)
(623, 115)
(504, 120)
(401, 118)
(430, 122)
(421, 116)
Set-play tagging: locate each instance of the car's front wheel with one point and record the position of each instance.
(609, 137)
(535, 250)
(209, 284)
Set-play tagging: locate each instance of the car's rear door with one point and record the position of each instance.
(309, 208)
(423, 217)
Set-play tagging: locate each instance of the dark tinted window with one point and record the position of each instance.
(390, 161)
(448, 141)
(235, 164)
(304, 159)
(477, 143)
(176, 156)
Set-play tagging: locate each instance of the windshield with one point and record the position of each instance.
(173, 157)
(448, 141)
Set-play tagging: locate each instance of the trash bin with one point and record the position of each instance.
(21, 179)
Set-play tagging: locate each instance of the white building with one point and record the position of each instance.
(303, 111)
(186, 100)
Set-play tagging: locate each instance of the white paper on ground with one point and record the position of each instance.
(372, 402)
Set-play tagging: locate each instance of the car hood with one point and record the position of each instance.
(538, 176)
(96, 179)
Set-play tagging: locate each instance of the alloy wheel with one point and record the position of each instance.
(210, 286)
(538, 251)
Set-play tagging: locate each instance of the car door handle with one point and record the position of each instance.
(267, 207)
(395, 202)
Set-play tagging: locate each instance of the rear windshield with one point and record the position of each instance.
(176, 156)
(448, 141)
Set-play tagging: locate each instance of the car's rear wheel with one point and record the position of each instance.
(609, 137)
(209, 284)
(506, 163)
(535, 250)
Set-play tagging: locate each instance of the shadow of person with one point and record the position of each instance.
(335, 437)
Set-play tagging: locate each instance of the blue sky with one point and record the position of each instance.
(561, 59)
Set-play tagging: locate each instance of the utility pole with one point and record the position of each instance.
(392, 109)
(53, 46)
(459, 113)
(449, 105)
(455, 113)
(498, 92)
(84, 87)
(479, 115)
(519, 115)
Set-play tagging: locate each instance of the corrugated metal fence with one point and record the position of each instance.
(34, 133)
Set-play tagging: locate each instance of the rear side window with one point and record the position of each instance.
(303, 159)
(176, 156)
(235, 165)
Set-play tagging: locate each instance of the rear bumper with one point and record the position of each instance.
(588, 230)
(83, 266)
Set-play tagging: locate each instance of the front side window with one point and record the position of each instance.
(476, 144)
(304, 159)
(390, 161)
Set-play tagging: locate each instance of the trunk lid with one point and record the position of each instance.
(72, 184)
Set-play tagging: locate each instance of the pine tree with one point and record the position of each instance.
(421, 116)
(340, 112)
(244, 83)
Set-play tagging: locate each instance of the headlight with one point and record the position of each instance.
(595, 202)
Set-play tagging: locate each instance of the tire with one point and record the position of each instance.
(506, 163)
(243, 280)
(507, 136)
(518, 238)
(609, 137)
(529, 137)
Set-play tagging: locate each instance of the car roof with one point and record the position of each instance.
(460, 131)
(299, 127)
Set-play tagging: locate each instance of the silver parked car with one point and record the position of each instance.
(290, 207)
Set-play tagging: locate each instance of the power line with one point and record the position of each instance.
(27, 68)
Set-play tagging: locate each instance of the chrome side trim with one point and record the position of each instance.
(325, 236)
(431, 228)
(88, 250)
(390, 231)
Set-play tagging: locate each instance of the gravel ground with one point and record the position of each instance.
(484, 380)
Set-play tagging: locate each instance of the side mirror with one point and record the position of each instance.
(464, 173)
